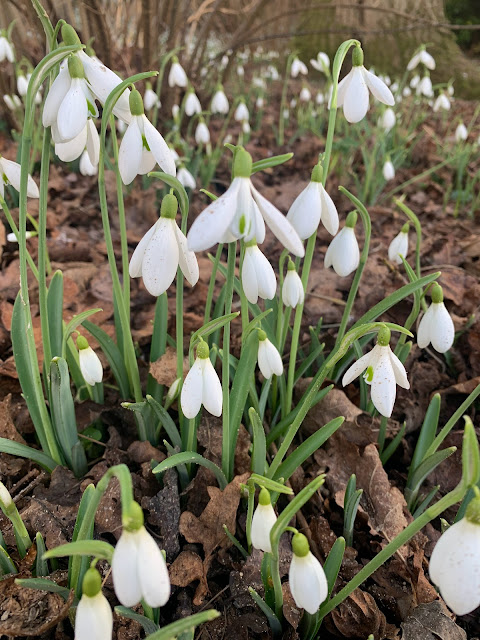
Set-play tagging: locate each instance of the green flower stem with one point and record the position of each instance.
(283, 101)
(232, 250)
(21, 534)
(211, 284)
(250, 507)
(158, 87)
(14, 228)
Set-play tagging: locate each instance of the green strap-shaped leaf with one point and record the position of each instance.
(55, 313)
(75, 322)
(43, 584)
(427, 435)
(212, 326)
(95, 548)
(77, 565)
(174, 629)
(259, 453)
(113, 355)
(24, 451)
(148, 625)
(274, 161)
(41, 565)
(6, 563)
(189, 457)
(167, 422)
(273, 621)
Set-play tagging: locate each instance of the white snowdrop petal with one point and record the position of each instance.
(427, 60)
(212, 398)
(341, 90)
(147, 162)
(442, 329)
(90, 366)
(356, 369)
(102, 81)
(269, 359)
(161, 257)
(398, 247)
(384, 387)
(12, 170)
(151, 570)
(355, 103)
(292, 290)
(124, 570)
(72, 149)
(55, 96)
(329, 212)
(220, 103)
(262, 522)
(94, 618)
(343, 253)
(130, 153)
(135, 266)
(73, 112)
(185, 178)
(267, 281)
(308, 583)
(93, 142)
(378, 88)
(424, 331)
(399, 371)
(186, 259)
(177, 76)
(413, 62)
(192, 390)
(249, 277)
(306, 210)
(159, 147)
(86, 167)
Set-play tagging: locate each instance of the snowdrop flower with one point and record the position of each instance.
(298, 67)
(74, 148)
(10, 174)
(240, 71)
(388, 170)
(139, 570)
(161, 251)
(399, 246)
(450, 90)
(150, 99)
(312, 206)
(461, 133)
(293, 103)
(455, 562)
(292, 289)
(320, 98)
(177, 76)
(422, 57)
(442, 103)
(406, 92)
(343, 253)
(87, 168)
(305, 95)
(387, 120)
(22, 84)
(322, 63)
(257, 274)
(142, 146)
(436, 326)
(13, 102)
(202, 386)
(94, 619)
(89, 362)
(286, 114)
(394, 87)
(269, 359)
(260, 102)
(6, 501)
(306, 577)
(6, 49)
(424, 87)
(185, 178)
(262, 522)
(415, 81)
(11, 237)
(384, 372)
(241, 112)
(219, 101)
(246, 127)
(202, 134)
(352, 93)
(192, 103)
(241, 212)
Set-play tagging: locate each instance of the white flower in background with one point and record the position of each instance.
(442, 103)
(13, 102)
(241, 212)
(202, 134)
(10, 174)
(343, 253)
(161, 251)
(262, 522)
(422, 57)
(257, 275)
(241, 112)
(450, 90)
(292, 289)
(384, 372)
(269, 359)
(139, 570)
(399, 245)
(177, 76)
(89, 362)
(387, 80)
(11, 237)
(455, 562)
(424, 87)
(388, 170)
(74, 148)
(387, 120)
(312, 206)
(202, 386)
(406, 92)
(220, 102)
(293, 103)
(121, 126)
(150, 99)
(22, 84)
(192, 103)
(306, 577)
(240, 71)
(260, 102)
(94, 618)
(415, 81)
(320, 98)
(436, 326)
(461, 133)
(6, 49)
(86, 167)
(286, 114)
(305, 95)
(224, 61)
(185, 178)
(322, 63)
(175, 111)
(246, 127)
(142, 145)
(394, 87)
(353, 90)
(298, 67)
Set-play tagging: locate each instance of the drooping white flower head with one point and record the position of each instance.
(353, 90)
(185, 178)
(262, 522)
(461, 133)
(306, 577)
(10, 174)
(6, 500)
(94, 619)
(260, 102)
(436, 326)
(89, 362)
(442, 103)
(293, 292)
(240, 71)
(6, 49)
(219, 102)
(343, 253)
(320, 98)
(424, 87)
(11, 237)
(312, 206)
(202, 386)
(87, 138)
(22, 84)
(422, 57)
(388, 170)
(384, 372)
(269, 359)
(399, 245)
(161, 251)
(257, 275)
(202, 134)
(298, 67)
(13, 102)
(241, 212)
(142, 146)
(406, 92)
(177, 76)
(241, 112)
(85, 165)
(192, 103)
(387, 120)
(305, 95)
(139, 570)
(150, 99)
(322, 63)
(455, 562)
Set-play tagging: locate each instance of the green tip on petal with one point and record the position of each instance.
(82, 343)
(357, 56)
(264, 497)
(262, 335)
(317, 173)
(169, 206)
(133, 520)
(242, 165)
(300, 546)
(136, 103)
(291, 265)
(92, 582)
(203, 351)
(69, 35)
(405, 228)
(75, 67)
(383, 338)
(351, 220)
(437, 293)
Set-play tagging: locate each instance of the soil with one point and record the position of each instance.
(206, 571)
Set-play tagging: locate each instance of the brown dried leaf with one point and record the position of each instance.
(7, 428)
(164, 370)
(187, 568)
(431, 621)
(359, 616)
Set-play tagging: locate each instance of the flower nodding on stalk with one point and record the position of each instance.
(177, 76)
(343, 253)
(293, 292)
(263, 520)
(94, 617)
(306, 578)
(10, 174)
(201, 386)
(90, 364)
(257, 274)
(398, 248)
(269, 359)
(436, 326)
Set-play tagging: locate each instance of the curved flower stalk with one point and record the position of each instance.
(161, 251)
(312, 206)
(142, 145)
(269, 359)
(89, 362)
(306, 577)
(241, 212)
(10, 174)
(384, 372)
(263, 520)
(202, 386)
(257, 274)
(343, 253)
(436, 326)
(398, 248)
(94, 618)
(293, 292)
